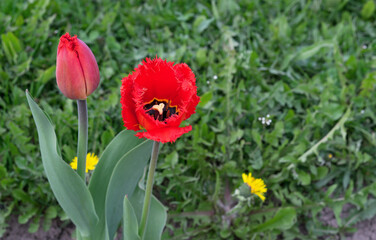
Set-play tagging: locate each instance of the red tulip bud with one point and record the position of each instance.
(77, 72)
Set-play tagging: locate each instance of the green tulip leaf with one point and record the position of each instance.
(130, 225)
(68, 188)
(157, 214)
(123, 181)
(116, 150)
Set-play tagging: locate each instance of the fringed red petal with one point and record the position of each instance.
(188, 91)
(165, 135)
(157, 79)
(128, 105)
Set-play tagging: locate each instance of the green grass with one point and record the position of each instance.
(309, 64)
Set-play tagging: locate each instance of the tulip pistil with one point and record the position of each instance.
(160, 109)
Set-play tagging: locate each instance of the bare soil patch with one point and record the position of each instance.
(366, 230)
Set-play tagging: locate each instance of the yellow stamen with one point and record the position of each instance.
(159, 108)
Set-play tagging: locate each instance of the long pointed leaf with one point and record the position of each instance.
(157, 214)
(124, 179)
(68, 188)
(116, 150)
(130, 224)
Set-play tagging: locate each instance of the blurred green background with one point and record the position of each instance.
(306, 65)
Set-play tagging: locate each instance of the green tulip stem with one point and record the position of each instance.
(149, 189)
(82, 138)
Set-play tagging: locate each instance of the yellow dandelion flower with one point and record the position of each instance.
(256, 185)
(91, 162)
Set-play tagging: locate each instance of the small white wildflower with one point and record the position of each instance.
(362, 111)
(215, 77)
(268, 116)
(364, 46)
(208, 82)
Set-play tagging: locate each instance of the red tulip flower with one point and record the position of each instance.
(157, 97)
(77, 72)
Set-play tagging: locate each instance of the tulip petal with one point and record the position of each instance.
(147, 121)
(69, 75)
(89, 66)
(128, 105)
(188, 91)
(156, 79)
(165, 135)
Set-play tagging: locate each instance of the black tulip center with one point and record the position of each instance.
(160, 109)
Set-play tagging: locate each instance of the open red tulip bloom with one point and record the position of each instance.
(157, 97)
